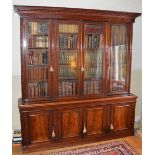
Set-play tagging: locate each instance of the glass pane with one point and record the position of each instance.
(37, 59)
(67, 59)
(93, 59)
(118, 57)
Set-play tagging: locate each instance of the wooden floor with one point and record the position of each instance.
(134, 141)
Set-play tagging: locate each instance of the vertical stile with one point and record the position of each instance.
(129, 56)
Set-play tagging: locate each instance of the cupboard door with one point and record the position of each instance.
(39, 126)
(70, 123)
(97, 119)
(122, 117)
(68, 58)
(93, 59)
(37, 60)
(118, 58)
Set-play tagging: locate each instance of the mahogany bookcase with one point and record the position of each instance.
(75, 72)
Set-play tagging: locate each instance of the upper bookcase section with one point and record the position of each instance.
(78, 14)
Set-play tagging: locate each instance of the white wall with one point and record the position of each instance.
(119, 5)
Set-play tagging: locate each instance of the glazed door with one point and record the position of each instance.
(36, 53)
(93, 59)
(70, 123)
(68, 58)
(96, 120)
(122, 117)
(119, 56)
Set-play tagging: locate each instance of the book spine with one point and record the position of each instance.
(29, 91)
(39, 89)
(60, 89)
(45, 88)
(35, 91)
(91, 86)
(73, 88)
(85, 87)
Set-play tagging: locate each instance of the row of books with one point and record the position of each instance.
(36, 90)
(117, 85)
(67, 88)
(67, 41)
(118, 88)
(37, 28)
(67, 57)
(17, 138)
(93, 57)
(67, 72)
(68, 28)
(93, 71)
(37, 73)
(37, 57)
(93, 29)
(92, 87)
(92, 41)
(38, 41)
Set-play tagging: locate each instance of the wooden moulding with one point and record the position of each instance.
(74, 13)
(97, 101)
(48, 146)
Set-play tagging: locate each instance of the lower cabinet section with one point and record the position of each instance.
(59, 126)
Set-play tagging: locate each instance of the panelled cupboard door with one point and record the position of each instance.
(122, 117)
(93, 58)
(97, 119)
(68, 58)
(36, 53)
(40, 129)
(70, 123)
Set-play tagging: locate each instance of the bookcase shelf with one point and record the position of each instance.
(68, 33)
(68, 49)
(37, 47)
(92, 49)
(37, 65)
(66, 64)
(37, 81)
(38, 35)
(67, 78)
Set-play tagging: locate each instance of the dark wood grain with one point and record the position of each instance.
(95, 120)
(53, 121)
(39, 127)
(122, 116)
(71, 123)
(69, 13)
